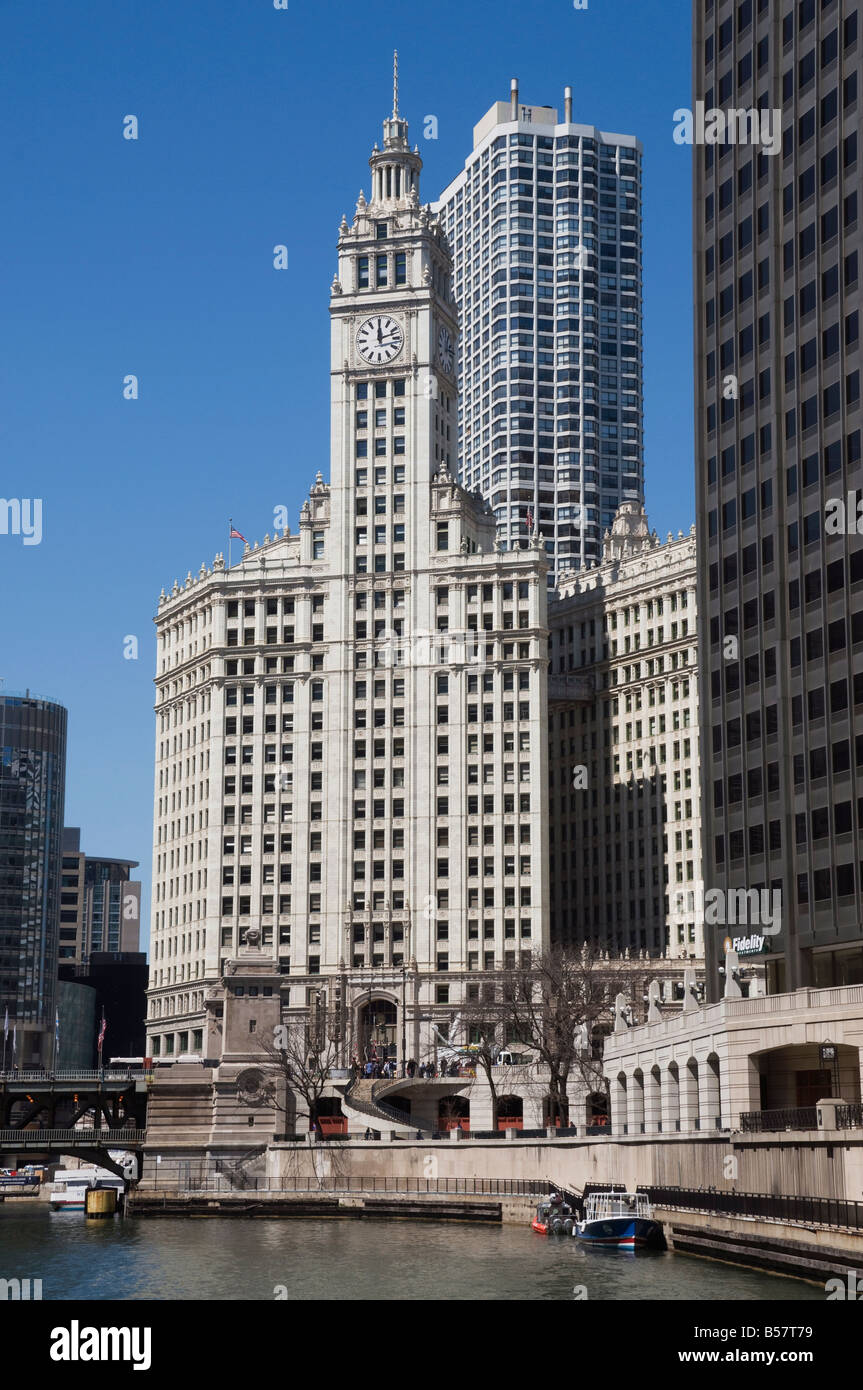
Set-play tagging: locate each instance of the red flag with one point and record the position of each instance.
(236, 535)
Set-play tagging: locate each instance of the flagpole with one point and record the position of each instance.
(230, 529)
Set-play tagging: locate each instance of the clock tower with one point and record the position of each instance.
(375, 689)
(393, 369)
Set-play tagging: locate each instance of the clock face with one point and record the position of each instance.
(445, 352)
(379, 339)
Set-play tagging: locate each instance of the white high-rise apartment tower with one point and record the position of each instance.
(351, 764)
(545, 228)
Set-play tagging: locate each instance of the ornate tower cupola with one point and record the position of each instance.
(395, 168)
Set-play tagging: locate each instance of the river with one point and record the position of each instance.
(220, 1258)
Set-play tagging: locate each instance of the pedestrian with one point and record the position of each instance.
(368, 1133)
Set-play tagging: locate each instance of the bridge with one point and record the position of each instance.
(94, 1145)
(78, 1111)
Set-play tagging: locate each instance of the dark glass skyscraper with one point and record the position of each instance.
(32, 792)
(777, 261)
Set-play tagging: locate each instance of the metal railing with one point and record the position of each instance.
(71, 1138)
(379, 1125)
(808, 1211)
(849, 1116)
(206, 1182)
(392, 1112)
(33, 1074)
(772, 1121)
(379, 1109)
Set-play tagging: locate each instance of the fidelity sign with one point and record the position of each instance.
(744, 945)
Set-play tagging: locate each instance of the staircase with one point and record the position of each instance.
(364, 1095)
(234, 1170)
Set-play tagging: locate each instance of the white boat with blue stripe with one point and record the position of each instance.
(619, 1220)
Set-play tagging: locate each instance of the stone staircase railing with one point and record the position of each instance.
(363, 1095)
(234, 1170)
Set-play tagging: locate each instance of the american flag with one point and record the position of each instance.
(101, 1037)
(530, 521)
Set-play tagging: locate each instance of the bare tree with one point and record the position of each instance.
(482, 1019)
(555, 1004)
(298, 1059)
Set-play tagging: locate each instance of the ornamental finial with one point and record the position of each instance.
(395, 84)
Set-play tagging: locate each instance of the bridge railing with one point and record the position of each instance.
(72, 1138)
(75, 1074)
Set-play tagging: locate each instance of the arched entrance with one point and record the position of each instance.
(510, 1112)
(400, 1103)
(377, 1022)
(597, 1110)
(331, 1118)
(454, 1113)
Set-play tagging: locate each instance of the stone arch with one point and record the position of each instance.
(510, 1112)
(376, 1025)
(331, 1118)
(454, 1113)
(596, 1109)
(792, 1076)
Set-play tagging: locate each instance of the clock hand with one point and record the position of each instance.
(380, 336)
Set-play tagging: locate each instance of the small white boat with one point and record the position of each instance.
(619, 1220)
(69, 1190)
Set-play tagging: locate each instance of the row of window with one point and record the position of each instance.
(387, 269)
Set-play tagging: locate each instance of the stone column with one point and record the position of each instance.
(670, 1099)
(689, 1084)
(618, 1104)
(652, 1102)
(635, 1103)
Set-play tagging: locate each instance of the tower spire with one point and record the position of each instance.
(395, 168)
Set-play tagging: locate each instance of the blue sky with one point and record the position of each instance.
(155, 257)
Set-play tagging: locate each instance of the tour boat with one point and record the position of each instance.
(619, 1220)
(553, 1217)
(69, 1191)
